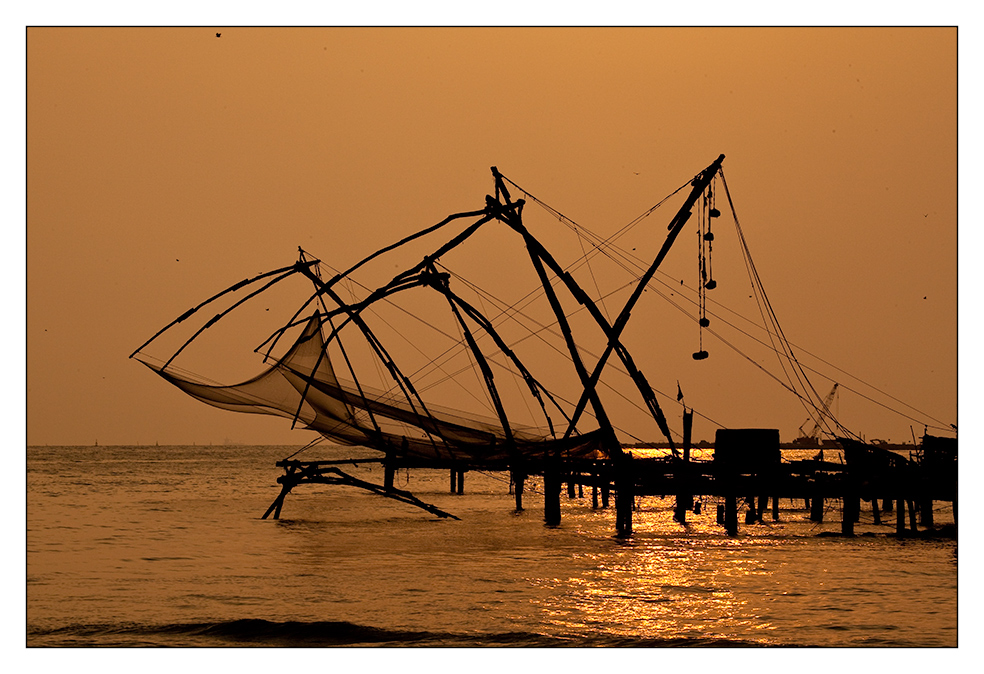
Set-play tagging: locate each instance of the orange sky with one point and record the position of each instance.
(165, 164)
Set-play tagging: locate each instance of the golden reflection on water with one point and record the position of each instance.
(666, 582)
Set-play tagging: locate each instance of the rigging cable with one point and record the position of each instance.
(797, 369)
(608, 244)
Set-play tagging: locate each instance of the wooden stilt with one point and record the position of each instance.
(762, 507)
(461, 482)
(912, 516)
(684, 500)
(519, 481)
(731, 514)
(750, 514)
(605, 493)
(806, 503)
(580, 489)
(775, 508)
(594, 496)
(848, 508)
(900, 518)
(887, 505)
(926, 512)
(551, 496)
(454, 480)
(277, 504)
(624, 498)
(720, 514)
(570, 487)
(288, 481)
(680, 509)
(389, 471)
(875, 513)
(817, 504)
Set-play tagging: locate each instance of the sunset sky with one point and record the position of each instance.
(164, 164)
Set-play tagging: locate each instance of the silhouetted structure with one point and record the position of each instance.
(303, 385)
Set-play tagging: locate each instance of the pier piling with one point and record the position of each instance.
(816, 505)
(519, 481)
(624, 497)
(551, 495)
(389, 470)
(900, 518)
(926, 512)
(849, 510)
(731, 514)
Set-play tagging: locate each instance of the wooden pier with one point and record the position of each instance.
(747, 472)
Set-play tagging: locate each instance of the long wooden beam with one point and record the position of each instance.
(700, 183)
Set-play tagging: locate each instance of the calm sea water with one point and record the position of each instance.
(163, 546)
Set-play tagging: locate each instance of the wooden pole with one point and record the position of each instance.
(605, 492)
(817, 505)
(900, 518)
(624, 497)
(461, 482)
(519, 481)
(926, 512)
(912, 516)
(389, 470)
(775, 508)
(551, 494)
(750, 515)
(874, 511)
(454, 480)
(288, 481)
(680, 509)
(731, 514)
(849, 506)
(277, 504)
(571, 493)
(684, 499)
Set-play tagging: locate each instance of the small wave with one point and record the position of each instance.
(260, 632)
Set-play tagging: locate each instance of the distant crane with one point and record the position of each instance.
(814, 433)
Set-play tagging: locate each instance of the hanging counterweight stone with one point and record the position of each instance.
(709, 236)
(700, 355)
(715, 213)
(711, 285)
(704, 322)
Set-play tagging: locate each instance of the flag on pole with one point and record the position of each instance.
(679, 391)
